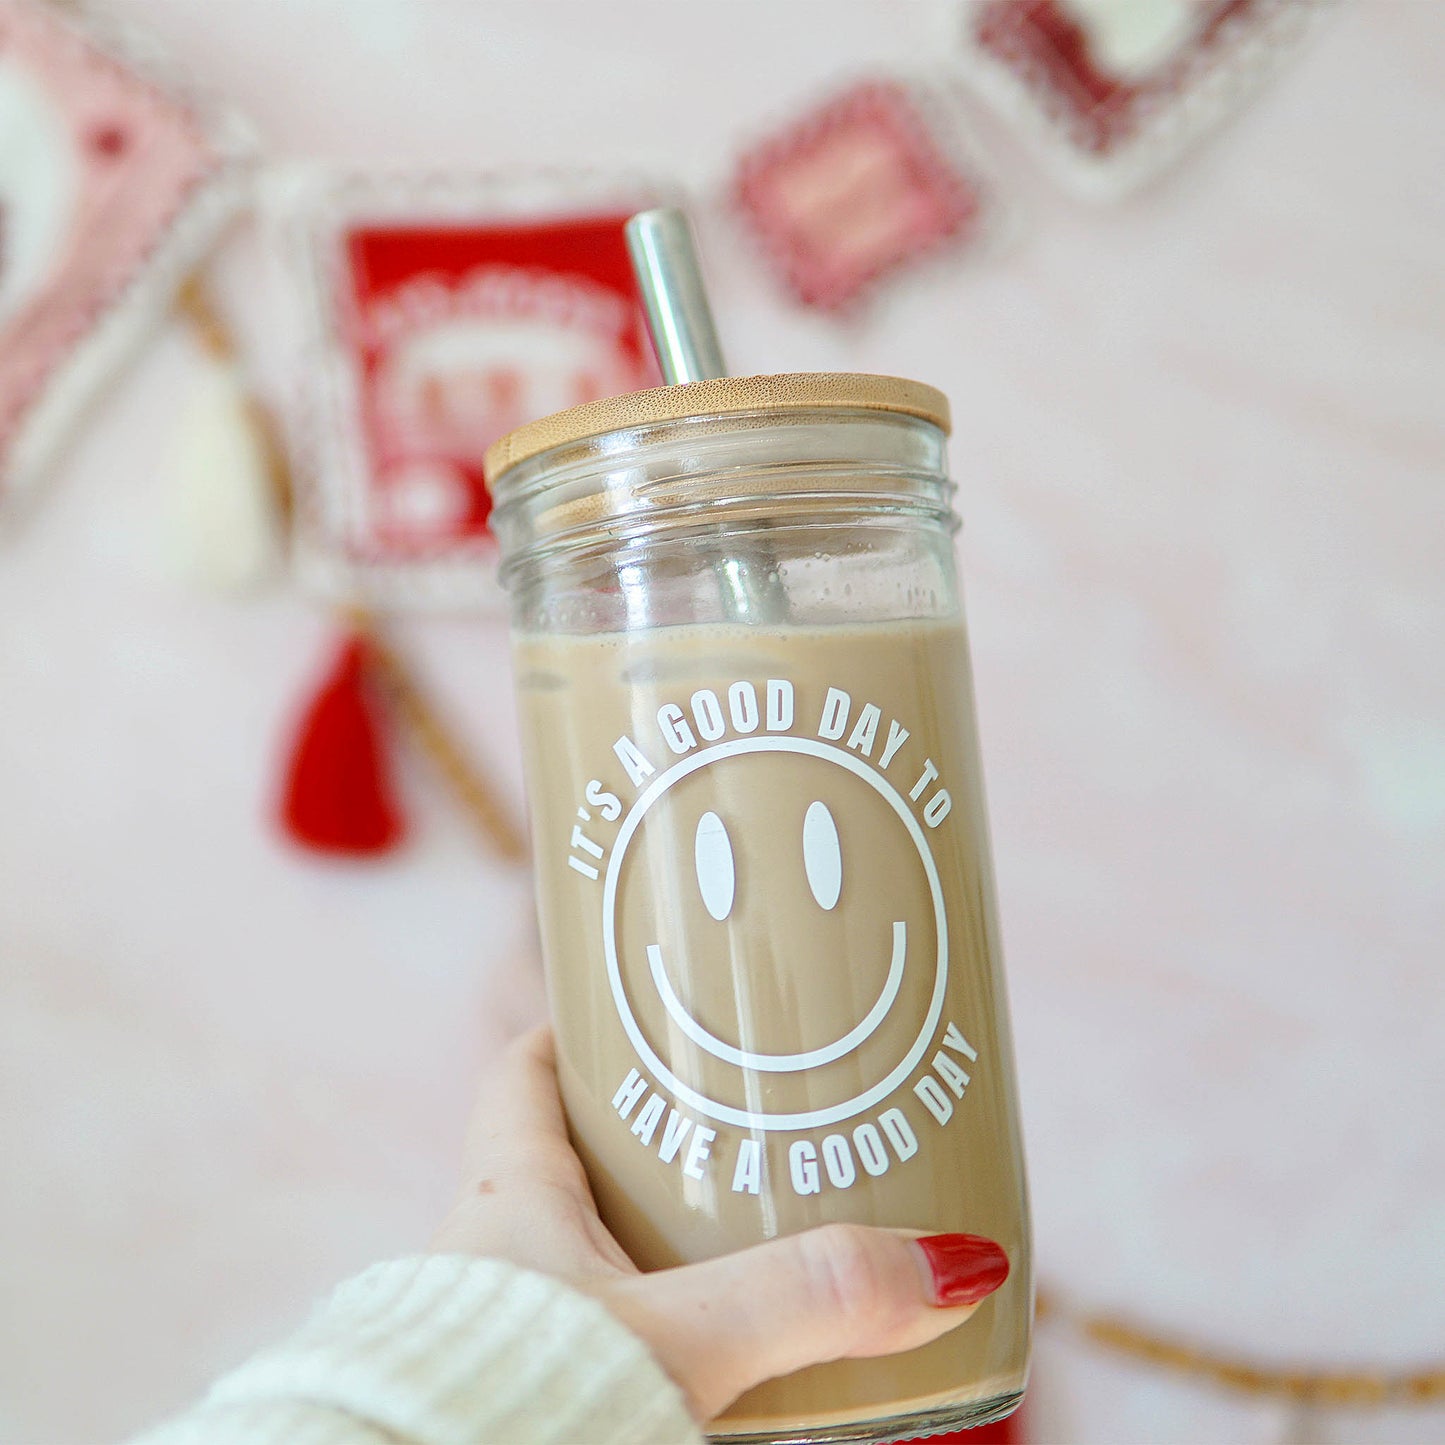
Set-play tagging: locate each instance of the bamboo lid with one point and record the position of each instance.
(720, 396)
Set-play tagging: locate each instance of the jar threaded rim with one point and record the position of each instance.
(720, 396)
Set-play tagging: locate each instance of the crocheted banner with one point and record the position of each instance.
(442, 313)
(113, 183)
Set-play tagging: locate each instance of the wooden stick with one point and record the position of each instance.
(193, 301)
(213, 333)
(493, 819)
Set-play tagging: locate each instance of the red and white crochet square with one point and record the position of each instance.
(112, 186)
(854, 191)
(1116, 88)
(443, 318)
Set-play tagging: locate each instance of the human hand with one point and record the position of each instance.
(841, 1291)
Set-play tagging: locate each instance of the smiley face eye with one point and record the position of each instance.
(713, 857)
(822, 856)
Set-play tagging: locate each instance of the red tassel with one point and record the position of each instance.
(338, 796)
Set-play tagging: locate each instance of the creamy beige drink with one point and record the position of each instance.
(761, 848)
(768, 920)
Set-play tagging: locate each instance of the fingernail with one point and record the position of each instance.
(965, 1267)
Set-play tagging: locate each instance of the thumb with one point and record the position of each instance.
(838, 1292)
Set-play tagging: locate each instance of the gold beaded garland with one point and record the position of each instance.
(1354, 1389)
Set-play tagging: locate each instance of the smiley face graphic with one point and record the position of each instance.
(716, 878)
(775, 933)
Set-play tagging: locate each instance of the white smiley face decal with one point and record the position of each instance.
(717, 883)
(717, 874)
(773, 888)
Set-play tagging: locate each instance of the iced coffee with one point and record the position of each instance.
(762, 861)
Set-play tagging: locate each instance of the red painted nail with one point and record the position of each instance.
(965, 1267)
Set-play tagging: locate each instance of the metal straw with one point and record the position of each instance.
(665, 262)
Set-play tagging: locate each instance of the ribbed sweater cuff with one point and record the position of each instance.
(449, 1350)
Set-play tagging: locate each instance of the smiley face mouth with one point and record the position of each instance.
(783, 1063)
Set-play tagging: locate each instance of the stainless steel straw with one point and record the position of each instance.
(665, 262)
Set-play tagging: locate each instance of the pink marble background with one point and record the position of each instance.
(1200, 440)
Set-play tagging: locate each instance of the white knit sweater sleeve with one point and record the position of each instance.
(446, 1350)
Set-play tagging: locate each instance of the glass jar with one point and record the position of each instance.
(764, 887)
